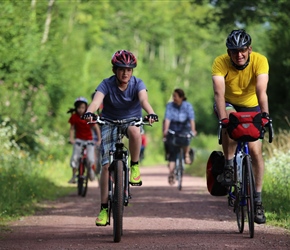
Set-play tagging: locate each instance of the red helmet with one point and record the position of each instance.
(124, 59)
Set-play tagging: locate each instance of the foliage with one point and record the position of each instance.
(33, 179)
(276, 188)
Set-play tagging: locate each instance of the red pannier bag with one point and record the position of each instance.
(245, 126)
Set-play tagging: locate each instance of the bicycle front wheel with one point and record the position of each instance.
(249, 192)
(83, 178)
(118, 201)
(239, 209)
(180, 171)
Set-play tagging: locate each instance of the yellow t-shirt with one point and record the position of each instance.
(241, 84)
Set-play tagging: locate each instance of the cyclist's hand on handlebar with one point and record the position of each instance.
(265, 119)
(224, 122)
(152, 118)
(88, 116)
(193, 133)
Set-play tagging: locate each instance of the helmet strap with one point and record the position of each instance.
(238, 67)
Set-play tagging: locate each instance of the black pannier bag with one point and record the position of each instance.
(215, 167)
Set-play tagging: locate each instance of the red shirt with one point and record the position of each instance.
(82, 129)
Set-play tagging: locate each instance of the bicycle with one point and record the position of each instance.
(83, 173)
(119, 188)
(179, 140)
(241, 194)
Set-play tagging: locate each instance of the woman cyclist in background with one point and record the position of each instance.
(179, 117)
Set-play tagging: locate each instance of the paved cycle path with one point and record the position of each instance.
(158, 217)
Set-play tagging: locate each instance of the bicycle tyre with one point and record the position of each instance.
(83, 177)
(249, 192)
(239, 209)
(80, 179)
(118, 201)
(180, 172)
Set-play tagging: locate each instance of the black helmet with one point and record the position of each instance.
(238, 39)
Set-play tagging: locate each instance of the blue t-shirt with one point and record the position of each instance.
(120, 104)
(179, 116)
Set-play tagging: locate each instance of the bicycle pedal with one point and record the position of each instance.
(136, 184)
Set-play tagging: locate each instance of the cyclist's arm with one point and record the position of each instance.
(219, 95)
(192, 125)
(72, 134)
(261, 91)
(166, 127)
(96, 103)
(143, 98)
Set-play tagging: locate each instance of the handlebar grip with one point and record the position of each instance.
(220, 133)
(271, 131)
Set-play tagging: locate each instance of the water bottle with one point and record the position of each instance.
(239, 160)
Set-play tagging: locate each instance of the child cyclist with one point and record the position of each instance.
(80, 134)
(123, 96)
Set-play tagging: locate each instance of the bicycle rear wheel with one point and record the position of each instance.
(249, 192)
(118, 201)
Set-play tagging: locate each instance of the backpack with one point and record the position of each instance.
(215, 167)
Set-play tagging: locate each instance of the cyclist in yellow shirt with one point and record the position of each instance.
(240, 80)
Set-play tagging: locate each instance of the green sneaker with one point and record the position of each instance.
(102, 219)
(135, 177)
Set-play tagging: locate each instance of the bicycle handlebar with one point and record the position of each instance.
(187, 135)
(131, 121)
(269, 125)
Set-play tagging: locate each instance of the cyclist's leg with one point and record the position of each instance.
(258, 169)
(75, 158)
(108, 139)
(91, 159)
(172, 152)
(103, 216)
(229, 148)
(186, 150)
(134, 136)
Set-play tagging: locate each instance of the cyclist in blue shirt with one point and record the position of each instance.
(123, 96)
(180, 118)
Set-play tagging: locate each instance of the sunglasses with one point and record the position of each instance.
(237, 51)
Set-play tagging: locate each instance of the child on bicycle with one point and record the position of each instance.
(80, 134)
(123, 96)
(180, 118)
